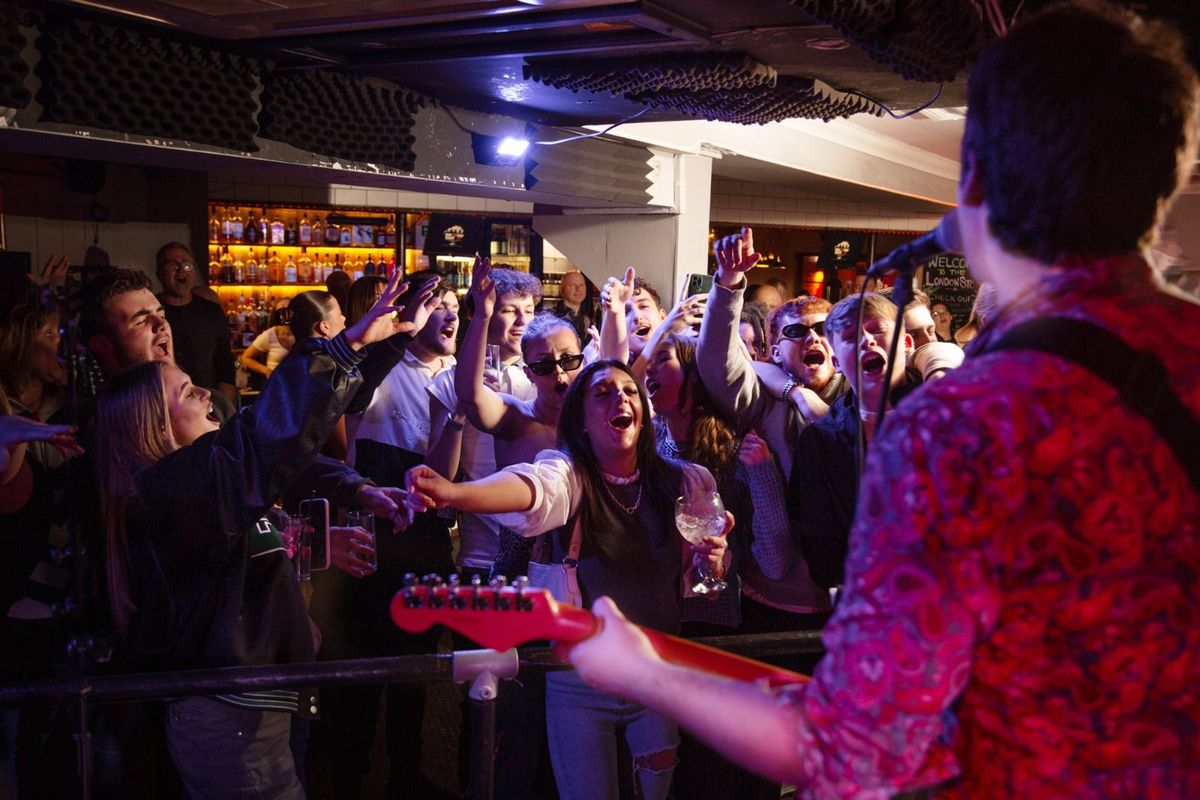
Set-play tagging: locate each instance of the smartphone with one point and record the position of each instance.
(695, 283)
(317, 510)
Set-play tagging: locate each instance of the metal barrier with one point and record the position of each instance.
(481, 668)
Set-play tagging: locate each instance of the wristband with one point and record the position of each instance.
(787, 390)
(455, 422)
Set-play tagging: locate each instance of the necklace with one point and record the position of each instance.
(627, 509)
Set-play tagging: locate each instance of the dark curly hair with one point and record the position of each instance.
(1080, 122)
(603, 526)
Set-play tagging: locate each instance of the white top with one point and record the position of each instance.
(556, 493)
(399, 411)
(479, 538)
(267, 342)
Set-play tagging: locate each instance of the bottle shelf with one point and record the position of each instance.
(251, 245)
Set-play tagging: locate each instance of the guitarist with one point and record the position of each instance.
(1023, 581)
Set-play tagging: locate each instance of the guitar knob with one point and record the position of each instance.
(410, 580)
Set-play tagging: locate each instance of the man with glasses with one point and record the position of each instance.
(199, 328)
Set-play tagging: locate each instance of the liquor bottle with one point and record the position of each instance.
(277, 231)
(290, 235)
(226, 226)
(253, 231)
(226, 267)
(333, 234)
(235, 330)
(346, 236)
(264, 228)
(237, 228)
(305, 231)
(501, 241)
(239, 271)
(251, 268)
(355, 267)
(214, 263)
(241, 312)
(380, 239)
(289, 271)
(214, 227)
(304, 268)
(274, 268)
(389, 234)
(368, 267)
(318, 231)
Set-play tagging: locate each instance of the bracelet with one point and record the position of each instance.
(455, 422)
(787, 389)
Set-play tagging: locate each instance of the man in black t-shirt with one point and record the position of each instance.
(201, 334)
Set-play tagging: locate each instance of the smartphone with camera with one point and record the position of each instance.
(317, 510)
(695, 283)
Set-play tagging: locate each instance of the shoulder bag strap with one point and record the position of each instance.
(1137, 375)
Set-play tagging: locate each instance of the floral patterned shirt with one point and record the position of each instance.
(1021, 615)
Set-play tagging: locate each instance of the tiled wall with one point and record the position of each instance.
(222, 186)
(764, 204)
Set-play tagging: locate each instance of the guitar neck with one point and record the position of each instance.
(685, 653)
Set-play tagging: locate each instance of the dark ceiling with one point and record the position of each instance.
(475, 54)
(478, 54)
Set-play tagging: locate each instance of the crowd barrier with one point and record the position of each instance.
(483, 669)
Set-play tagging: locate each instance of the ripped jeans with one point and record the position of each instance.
(583, 726)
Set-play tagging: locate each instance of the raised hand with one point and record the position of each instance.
(688, 313)
(413, 316)
(377, 324)
(617, 292)
(483, 288)
(735, 255)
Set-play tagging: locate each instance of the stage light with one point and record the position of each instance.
(496, 151)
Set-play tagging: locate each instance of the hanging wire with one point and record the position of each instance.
(597, 133)
(893, 114)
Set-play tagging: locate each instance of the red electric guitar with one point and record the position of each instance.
(499, 617)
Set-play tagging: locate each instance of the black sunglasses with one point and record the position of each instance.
(798, 330)
(547, 365)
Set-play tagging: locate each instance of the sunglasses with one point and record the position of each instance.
(547, 365)
(798, 330)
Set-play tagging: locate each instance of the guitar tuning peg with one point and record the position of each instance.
(498, 582)
(410, 580)
(477, 581)
(431, 580)
(453, 580)
(523, 603)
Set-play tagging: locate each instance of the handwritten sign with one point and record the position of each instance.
(947, 281)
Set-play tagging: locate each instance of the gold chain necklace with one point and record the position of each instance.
(627, 509)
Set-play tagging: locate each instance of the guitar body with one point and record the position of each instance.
(499, 617)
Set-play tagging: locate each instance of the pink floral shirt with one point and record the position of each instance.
(1021, 616)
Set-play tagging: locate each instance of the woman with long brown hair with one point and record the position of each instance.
(196, 577)
(609, 479)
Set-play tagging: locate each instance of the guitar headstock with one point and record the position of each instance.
(496, 614)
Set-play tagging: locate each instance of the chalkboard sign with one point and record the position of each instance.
(947, 281)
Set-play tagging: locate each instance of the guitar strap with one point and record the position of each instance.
(1138, 376)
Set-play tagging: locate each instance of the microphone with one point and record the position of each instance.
(944, 238)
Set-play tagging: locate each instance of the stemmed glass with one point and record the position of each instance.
(699, 515)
